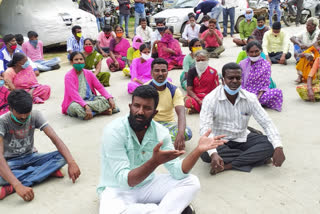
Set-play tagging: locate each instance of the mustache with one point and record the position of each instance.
(140, 117)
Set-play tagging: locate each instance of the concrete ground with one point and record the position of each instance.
(293, 188)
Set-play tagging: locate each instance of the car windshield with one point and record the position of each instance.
(185, 4)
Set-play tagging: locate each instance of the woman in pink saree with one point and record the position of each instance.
(170, 50)
(118, 51)
(20, 75)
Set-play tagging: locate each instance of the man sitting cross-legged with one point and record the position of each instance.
(20, 165)
(227, 110)
(132, 148)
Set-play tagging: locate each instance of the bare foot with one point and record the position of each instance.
(219, 169)
(107, 112)
(299, 79)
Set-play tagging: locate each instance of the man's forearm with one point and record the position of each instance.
(6, 173)
(190, 160)
(181, 119)
(136, 176)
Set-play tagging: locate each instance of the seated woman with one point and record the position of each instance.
(20, 75)
(202, 79)
(311, 90)
(118, 51)
(140, 69)
(170, 50)
(189, 61)
(132, 53)
(93, 62)
(243, 55)
(307, 59)
(256, 73)
(4, 92)
(80, 96)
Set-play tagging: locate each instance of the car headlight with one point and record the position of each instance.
(173, 19)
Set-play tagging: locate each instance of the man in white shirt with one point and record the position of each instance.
(227, 110)
(191, 31)
(228, 10)
(144, 31)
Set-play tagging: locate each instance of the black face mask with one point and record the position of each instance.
(138, 126)
(161, 29)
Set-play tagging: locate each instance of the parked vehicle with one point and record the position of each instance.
(177, 15)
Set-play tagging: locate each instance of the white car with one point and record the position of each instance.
(177, 15)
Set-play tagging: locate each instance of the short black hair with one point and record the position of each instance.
(107, 28)
(17, 57)
(230, 66)
(118, 26)
(19, 38)
(32, 34)
(253, 43)
(147, 92)
(261, 18)
(276, 26)
(159, 61)
(144, 46)
(161, 20)
(74, 28)
(191, 43)
(20, 101)
(7, 38)
(191, 15)
(205, 18)
(74, 53)
(142, 20)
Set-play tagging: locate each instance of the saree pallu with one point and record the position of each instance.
(303, 89)
(174, 60)
(304, 66)
(91, 63)
(120, 51)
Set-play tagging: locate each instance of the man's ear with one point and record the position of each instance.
(155, 112)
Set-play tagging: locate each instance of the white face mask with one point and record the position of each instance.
(254, 59)
(145, 56)
(201, 67)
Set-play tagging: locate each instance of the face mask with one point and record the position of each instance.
(159, 84)
(1, 83)
(206, 23)
(13, 47)
(260, 28)
(119, 34)
(160, 29)
(145, 56)
(88, 49)
(78, 67)
(18, 121)
(138, 126)
(79, 35)
(201, 67)
(26, 64)
(248, 16)
(254, 59)
(166, 37)
(231, 92)
(107, 35)
(34, 43)
(192, 24)
(195, 49)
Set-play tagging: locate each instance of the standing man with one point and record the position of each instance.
(75, 42)
(170, 101)
(191, 31)
(205, 7)
(299, 4)
(132, 148)
(216, 11)
(274, 5)
(124, 6)
(246, 27)
(138, 12)
(227, 110)
(228, 10)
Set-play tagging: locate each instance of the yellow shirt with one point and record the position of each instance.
(271, 43)
(167, 102)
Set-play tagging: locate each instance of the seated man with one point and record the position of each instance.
(132, 148)
(103, 40)
(144, 31)
(20, 40)
(227, 110)
(170, 99)
(259, 32)
(306, 39)
(76, 41)
(156, 36)
(34, 50)
(191, 31)
(6, 54)
(246, 27)
(20, 165)
(276, 45)
(213, 40)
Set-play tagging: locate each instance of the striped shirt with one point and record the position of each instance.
(224, 118)
(74, 45)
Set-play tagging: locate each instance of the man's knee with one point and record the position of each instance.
(193, 181)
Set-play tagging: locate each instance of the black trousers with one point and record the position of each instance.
(244, 156)
(275, 57)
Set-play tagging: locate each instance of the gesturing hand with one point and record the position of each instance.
(26, 193)
(206, 143)
(163, 156)
(278, 157)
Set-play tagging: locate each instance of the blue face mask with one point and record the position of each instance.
(231, 92)
(1, 83)
(159, 84)
(18, 121)
(26, 64)
(248, 16)
(34, 43)
(260, 28)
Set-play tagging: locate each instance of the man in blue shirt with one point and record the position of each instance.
(138, 12)
(76, 41)
(132, 148)
(205, 7)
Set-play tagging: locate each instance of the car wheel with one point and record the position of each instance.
(237, 26)
(183, 27)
